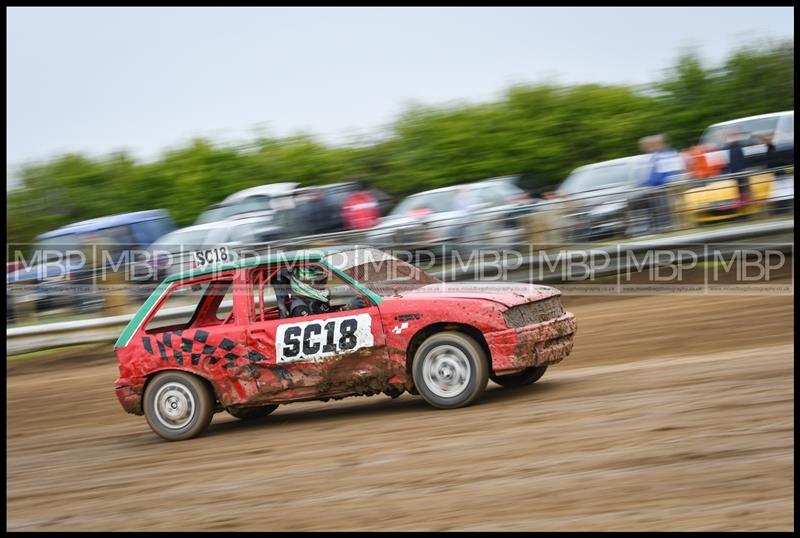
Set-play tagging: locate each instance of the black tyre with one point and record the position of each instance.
(252, 413)
(450, 370)
(528, 376)
(178, 405)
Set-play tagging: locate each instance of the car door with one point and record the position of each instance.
(334, 353)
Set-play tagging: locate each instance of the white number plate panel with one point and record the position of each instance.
(311, 341)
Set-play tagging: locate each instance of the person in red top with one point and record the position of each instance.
(360, 209)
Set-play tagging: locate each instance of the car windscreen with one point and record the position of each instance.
(379, 271)
(177, 241)
(431, 202)
(717, 135)
(250, 204)
(213, 214)
(57, 247)
(601, 177)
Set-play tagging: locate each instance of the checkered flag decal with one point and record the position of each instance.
(195, 345)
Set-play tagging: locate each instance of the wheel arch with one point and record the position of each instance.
(429, 330)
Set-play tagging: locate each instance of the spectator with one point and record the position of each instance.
(665, 164)
(700, 164)
(770, 160)
(360, 210)
(736, 163)
(735, 154)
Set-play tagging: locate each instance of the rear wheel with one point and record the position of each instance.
(178, 405)
(450, 370)
(528, 376)
(252, 413)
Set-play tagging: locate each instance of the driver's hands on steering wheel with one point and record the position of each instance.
(356, 303)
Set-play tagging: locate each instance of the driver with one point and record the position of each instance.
(309, 295)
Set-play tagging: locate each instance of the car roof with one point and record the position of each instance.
(474, 185)
(289, 257)
(271, 189)
(100, 223)
(748, 118)
(621, 160)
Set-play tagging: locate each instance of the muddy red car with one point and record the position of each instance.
(245, 337)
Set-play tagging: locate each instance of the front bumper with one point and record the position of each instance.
(533, 345)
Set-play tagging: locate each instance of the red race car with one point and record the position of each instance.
(247, 336)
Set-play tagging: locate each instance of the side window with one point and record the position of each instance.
(120, 234)
(147, 231)
(278, 293)
(186, 297)
(223, 312)
(199, 304)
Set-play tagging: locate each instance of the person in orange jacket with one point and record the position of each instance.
(699, 163)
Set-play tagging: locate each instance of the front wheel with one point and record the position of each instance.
(252, 413)
(178, 405)
(528, 376)
(450, 370)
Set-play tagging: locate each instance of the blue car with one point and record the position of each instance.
(54, 267)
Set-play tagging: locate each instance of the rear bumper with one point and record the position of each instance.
(532, 345)
(129, 394)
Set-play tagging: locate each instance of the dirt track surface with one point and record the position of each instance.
(673, 413)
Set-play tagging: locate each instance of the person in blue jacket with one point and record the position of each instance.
(665, 164)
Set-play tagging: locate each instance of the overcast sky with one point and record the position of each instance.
(99, 80)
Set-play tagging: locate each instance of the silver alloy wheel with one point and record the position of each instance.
(174, 405)
(446, 371)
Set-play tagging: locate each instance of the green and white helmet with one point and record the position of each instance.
(309, 282)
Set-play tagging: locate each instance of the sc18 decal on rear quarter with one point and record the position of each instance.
(311, 341)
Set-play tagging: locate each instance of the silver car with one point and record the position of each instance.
(484, 213)
(174, 252)
(603, 200)
(263, 200)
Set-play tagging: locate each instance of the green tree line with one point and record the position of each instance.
(538, 131)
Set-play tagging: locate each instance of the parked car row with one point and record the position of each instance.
(607, 199)
(600, 200)
(457, 215)
(65, 259)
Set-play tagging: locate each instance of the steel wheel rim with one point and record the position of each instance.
(174, 405)
(446, 371)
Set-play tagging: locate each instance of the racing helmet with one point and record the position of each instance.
(309, 283)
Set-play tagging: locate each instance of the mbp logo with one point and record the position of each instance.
(746, 265)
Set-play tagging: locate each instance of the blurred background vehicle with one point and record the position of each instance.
(69, 256)
(754, 131)
(485, 213)
(322, 209)
(172, 253)
(767, 146)
(605, 199)
(261, 200)
(720, 199)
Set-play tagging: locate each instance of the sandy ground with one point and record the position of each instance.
(673, 413)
